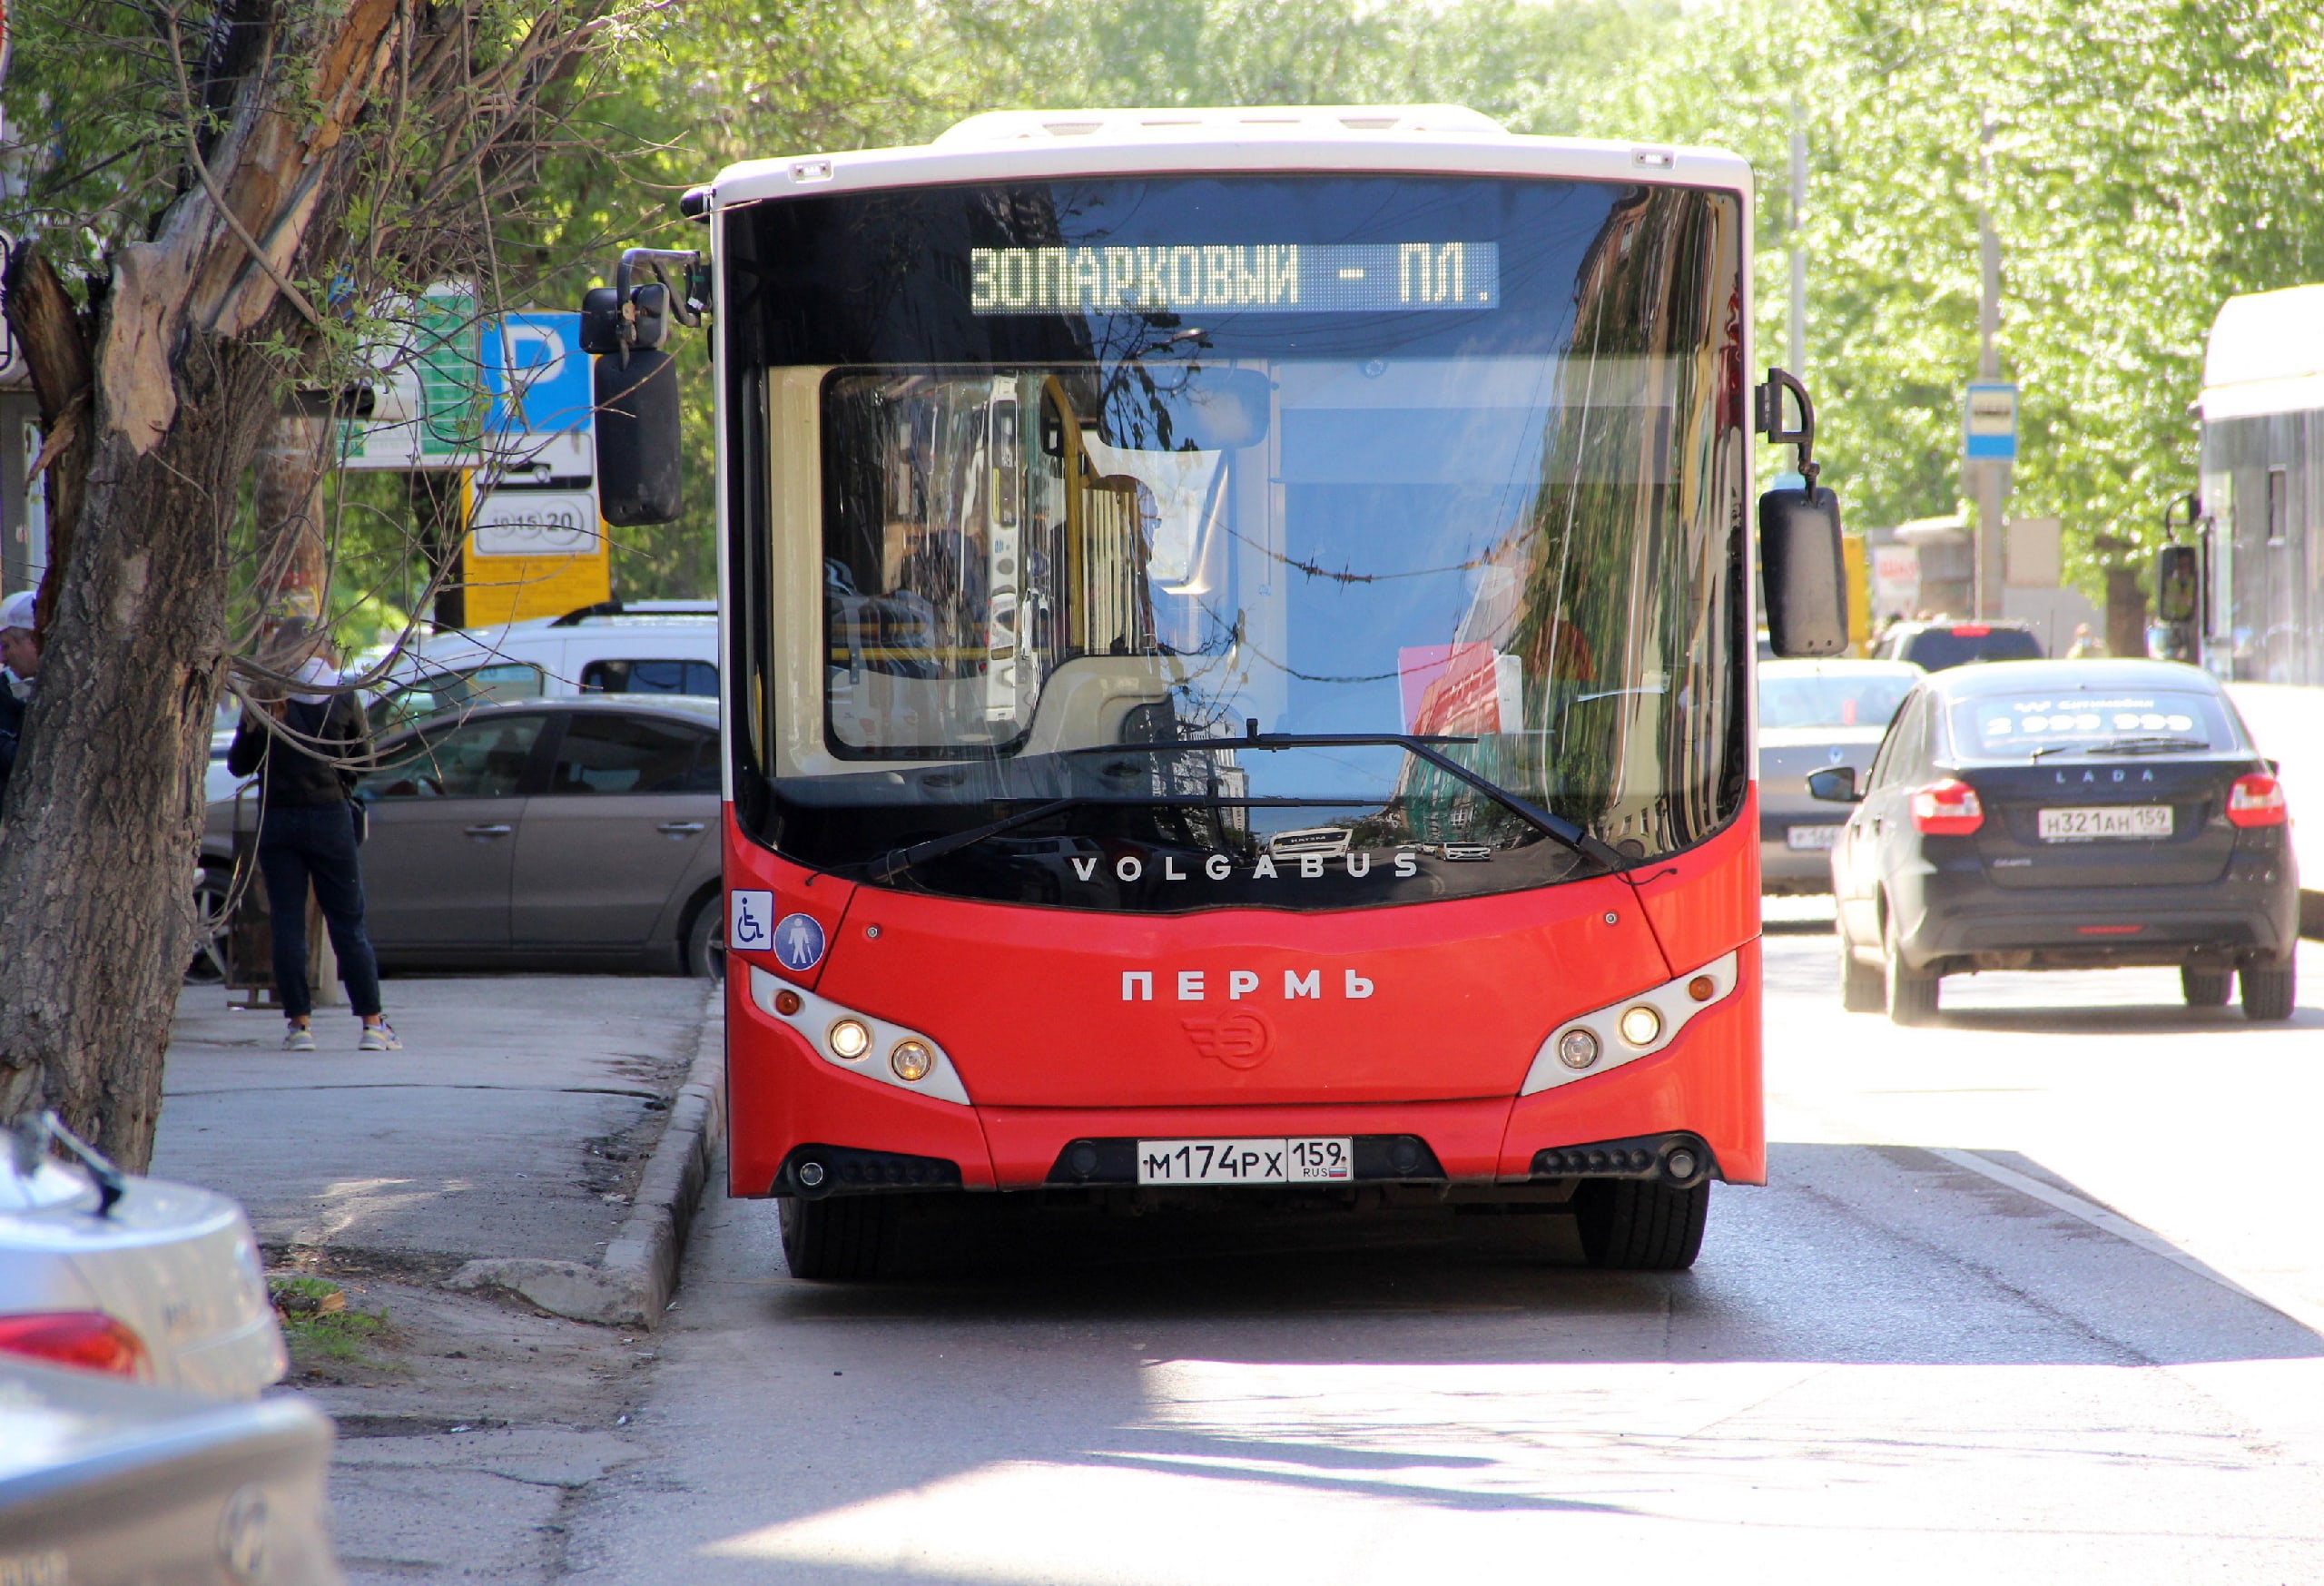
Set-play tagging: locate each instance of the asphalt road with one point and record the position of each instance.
(1994, 1320)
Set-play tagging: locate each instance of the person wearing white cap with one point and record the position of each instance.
(302, 743)
(20, 655)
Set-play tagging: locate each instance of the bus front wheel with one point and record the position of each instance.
(1629, 1224)
(843, 1240)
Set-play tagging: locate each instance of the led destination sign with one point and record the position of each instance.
(1276, 279)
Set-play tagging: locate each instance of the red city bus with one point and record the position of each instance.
(1239, 641)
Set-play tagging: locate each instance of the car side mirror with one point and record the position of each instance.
(1834, 786)
(1804, 572)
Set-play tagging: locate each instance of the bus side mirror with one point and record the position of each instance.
(1804, 572)
(2177, 579)
(638, 440)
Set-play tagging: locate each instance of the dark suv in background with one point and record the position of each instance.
(2061, 815)
(1935, 646)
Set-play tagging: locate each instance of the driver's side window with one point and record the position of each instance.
(480, 758)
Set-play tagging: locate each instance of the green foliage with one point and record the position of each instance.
(2142, 160)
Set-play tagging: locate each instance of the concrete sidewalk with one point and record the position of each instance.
(540, 1139)
(515, 1123)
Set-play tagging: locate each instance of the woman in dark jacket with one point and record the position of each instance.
(304, 755)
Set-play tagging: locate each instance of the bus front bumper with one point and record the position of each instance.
(788, 1109)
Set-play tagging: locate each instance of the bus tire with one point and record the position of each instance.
(1912, 993)
(1629, 1224)
(2268, 991)
(2205, 988)
(1862, 989)
(843, 1240)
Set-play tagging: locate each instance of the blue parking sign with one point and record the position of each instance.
(538, 376)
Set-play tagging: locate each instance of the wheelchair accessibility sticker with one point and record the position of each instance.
(750, 921)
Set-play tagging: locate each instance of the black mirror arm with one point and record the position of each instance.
(2193, 501)
(1768, 401)
(689, 302)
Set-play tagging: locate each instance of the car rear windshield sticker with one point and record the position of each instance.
(2002, 725)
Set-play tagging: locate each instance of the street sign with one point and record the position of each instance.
(532, 553)
(1989, 422)
(544, 401)
(1895, 580)
(427, 389)
(457, 389)
(537, 523)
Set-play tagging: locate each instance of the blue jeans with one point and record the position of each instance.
(316, 844)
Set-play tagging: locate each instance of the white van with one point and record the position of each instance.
(643, 646)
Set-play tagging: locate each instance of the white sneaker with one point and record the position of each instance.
(298, 1038)
(377, 1037)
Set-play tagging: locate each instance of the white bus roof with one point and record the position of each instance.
(2266, 355)
(1017, 146)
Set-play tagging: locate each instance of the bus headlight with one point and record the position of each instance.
(1638, 1026)
(1577, 1049)
(912, 1061)
(845, 1038)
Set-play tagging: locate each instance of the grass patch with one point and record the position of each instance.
(319, 1326)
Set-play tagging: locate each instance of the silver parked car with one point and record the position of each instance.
(1815, 716)
(111, 1484)
(552, 832)
(138, 1278)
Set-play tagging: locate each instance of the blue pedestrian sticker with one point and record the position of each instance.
(799, 943)
(750, 921)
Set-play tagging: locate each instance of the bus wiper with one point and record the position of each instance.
(896, 860)
(1416, 744)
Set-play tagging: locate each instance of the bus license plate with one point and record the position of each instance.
(1818, 838)
(1312, 1160)
(2147, 821)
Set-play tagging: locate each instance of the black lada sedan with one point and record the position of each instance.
(2065, 815)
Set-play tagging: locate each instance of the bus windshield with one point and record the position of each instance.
(1158, 510)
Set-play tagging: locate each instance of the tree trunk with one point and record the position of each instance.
(288, 504)
(104, 805)
(172, 378)
(436, 510)
(2125, 613)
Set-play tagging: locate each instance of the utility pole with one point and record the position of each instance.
(1988, 478)
(1797, 363)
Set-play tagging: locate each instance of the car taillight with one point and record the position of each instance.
(2256, 798)
(1947, 809)
(90, 1340)
(1971, 630)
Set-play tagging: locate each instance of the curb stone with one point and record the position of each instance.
(631, 1284)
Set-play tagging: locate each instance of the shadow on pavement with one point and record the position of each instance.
(1855, 1253)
